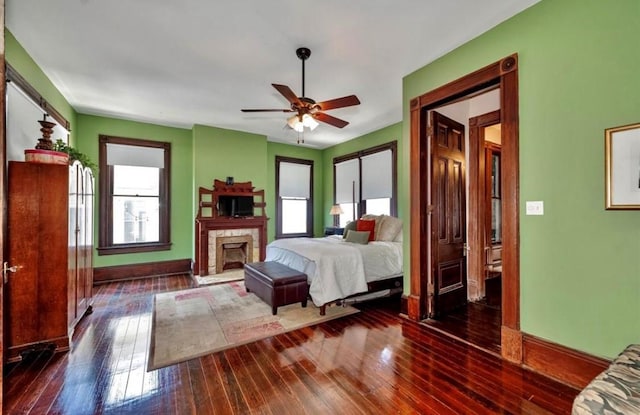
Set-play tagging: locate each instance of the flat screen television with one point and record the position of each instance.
(236, 206)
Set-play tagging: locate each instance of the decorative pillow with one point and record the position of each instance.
(351, 226)
(367, 225)
(389, 228)
(357, 237)
(369, 216)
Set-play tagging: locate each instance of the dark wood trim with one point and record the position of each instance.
(509, 120)
(13, 76)
(144, 270)
(292, 160)
(404, 305)
(478, 210)
(133, 248)
(511, 344)
(420, 212)
(3, 198)
(569, 366)
(505, 74)
(105, 186)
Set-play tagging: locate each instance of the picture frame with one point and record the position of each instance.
(622, 167)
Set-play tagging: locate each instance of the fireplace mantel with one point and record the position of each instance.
(208, 222)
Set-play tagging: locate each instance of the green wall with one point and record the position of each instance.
(218, 153)
(90, 127)
(381, 136)
(578, 74)
(296, 151)
(20, 60)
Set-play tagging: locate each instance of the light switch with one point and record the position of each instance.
(535, 207)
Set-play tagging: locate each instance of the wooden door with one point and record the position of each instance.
(448, 220)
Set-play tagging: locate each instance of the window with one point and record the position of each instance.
(365, 182)
(294, 187)
(134, 195)
(377, 182)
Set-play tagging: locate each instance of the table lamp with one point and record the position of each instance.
(336, 211)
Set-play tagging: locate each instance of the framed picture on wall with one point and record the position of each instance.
(622, 167)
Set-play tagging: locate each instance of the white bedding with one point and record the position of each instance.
(335, 268)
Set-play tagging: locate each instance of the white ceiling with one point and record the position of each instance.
(185, 62)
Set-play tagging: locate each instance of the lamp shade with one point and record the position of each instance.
(336, 210)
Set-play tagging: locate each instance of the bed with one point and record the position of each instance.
(337, 268)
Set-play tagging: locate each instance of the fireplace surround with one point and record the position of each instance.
(245, 236)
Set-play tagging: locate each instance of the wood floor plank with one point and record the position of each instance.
(371, 362)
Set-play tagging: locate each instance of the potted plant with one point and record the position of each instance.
(74, 155)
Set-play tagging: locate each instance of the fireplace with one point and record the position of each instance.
(231, 248)
(225, 242)
(233, 252)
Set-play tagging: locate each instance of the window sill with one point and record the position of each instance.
(294, 235)
(134, 248)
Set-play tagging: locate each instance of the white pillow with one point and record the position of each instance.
(388, 229)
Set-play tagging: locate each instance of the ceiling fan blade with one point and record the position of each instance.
(338, 103)
(266, 110)
(288, 94)
(326, 118)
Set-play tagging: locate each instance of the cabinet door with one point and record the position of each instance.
(72, 244)
(36, 295)
(85, 242)
(88, 246)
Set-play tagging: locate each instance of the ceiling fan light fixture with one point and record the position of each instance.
(295, 124)
(298, 123)
(309, 122)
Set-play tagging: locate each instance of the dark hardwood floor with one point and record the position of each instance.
(373, 362)
(476, 323)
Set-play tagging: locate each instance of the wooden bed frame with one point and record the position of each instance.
(372, 287)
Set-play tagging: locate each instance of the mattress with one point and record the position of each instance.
(335, 268)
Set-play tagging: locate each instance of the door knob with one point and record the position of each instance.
(6, 269)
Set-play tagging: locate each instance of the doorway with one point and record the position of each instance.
(467, 281)
(421, 302)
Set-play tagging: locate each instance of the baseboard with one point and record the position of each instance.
(145, 270)
(511, 341)
(404, 305)
(569, 366)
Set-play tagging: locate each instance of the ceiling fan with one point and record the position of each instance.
(307, 110)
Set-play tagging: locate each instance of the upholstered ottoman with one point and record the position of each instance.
(276, 284)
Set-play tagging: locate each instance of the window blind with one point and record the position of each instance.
(294, 180)
(347, 174)
(377, 175)
(125, 155)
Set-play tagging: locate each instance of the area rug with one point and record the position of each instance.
(192, 323)
(223, 277)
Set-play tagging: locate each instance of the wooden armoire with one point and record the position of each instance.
(50, 251)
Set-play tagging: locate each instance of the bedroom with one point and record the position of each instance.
(569, 93)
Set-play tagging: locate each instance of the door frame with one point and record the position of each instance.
(505, 74)
(3, 195)
(478, 208)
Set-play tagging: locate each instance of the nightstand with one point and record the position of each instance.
(332, 230)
